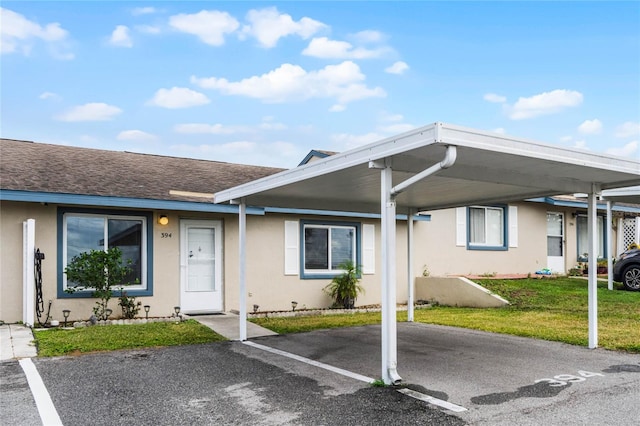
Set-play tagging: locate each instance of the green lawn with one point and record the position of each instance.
(550, 309)
(55, 342)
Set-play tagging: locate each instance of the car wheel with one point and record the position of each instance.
(631, 278)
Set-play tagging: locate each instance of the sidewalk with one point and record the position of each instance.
(228, 325)
(16, 341)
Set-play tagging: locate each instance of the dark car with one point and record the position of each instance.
(627, 269)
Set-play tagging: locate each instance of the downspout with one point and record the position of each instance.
(388, 285)
(448, 161)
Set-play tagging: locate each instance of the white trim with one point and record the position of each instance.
(291, 247)
(513, 226)
(368, 248)
(144, 285)
(28, 284)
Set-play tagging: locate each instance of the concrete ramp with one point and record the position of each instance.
(228, 325)
(456, 291)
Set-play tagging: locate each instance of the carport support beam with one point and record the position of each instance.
(593, 268)
(388, 253)
(410, 278)
(242, 249)
(609, 250)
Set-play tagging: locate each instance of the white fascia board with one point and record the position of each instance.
(622, 192)
(488, 141)
(385, 148)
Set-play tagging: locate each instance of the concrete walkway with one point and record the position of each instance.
(228, 325)
(16, 341)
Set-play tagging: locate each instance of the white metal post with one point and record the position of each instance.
(242, 244)
(410, 275)
(593, 269)
(28, 265)
(388, 249)
(609, 250)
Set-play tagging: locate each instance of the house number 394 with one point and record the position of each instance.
(165, 235)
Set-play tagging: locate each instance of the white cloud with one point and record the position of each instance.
(135, 135)
(492, 97)
(210, 26)
(121, 37)
(148, 29)
(500, 130)
(337, 108)
(566, 138)
(203, 128)
(178, 97)
(324, 48)
(398, 67)
(268, 26)
(292, 83)
(581, 144)
(269, 123)
(49, 95)
(628, 129)
(544, 103)
(590, 127)
(397, 128)
(18, 34)
(345, 141)
(628, 150)
(95, 111)
(369, 36)
(244, 152)
(391, 117)
(137, 11)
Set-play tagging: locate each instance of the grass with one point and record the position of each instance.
(549, 309)
(57, 342)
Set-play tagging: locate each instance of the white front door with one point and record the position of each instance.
(201, 266)
(555, 242)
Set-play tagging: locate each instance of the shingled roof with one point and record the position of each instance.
(46, 168)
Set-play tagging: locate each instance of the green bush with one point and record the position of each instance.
(100, 271)
(344, 288)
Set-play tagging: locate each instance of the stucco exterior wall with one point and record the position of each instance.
(267, 285)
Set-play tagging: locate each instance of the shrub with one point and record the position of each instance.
(344, 288)
(100, 271)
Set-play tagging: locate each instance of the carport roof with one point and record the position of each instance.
(623, 195)
(490, 168)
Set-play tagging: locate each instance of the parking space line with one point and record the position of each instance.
(431, 400)
(311, 362)
(414, 394)
(46, 409)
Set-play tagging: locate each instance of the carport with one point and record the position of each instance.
(433, 167)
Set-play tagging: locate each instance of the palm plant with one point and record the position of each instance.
(344, 288)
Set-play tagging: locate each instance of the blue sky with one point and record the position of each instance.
(264, 83)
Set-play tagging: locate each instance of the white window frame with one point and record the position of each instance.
(503, 232)
(321, 273)
(143, 267)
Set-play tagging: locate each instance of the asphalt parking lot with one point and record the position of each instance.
(496, 379)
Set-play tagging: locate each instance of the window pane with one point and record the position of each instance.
(127, 236)
(476, 226)
(554, 246)
(341, 246)
(495, 230)
(316, 248)
(583, 235)
(84, 234)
